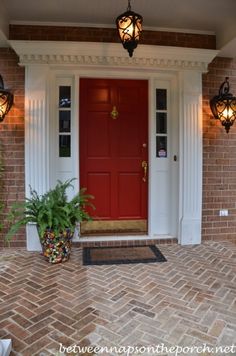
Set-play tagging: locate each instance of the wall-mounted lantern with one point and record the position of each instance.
(6, 100)
(223, 105)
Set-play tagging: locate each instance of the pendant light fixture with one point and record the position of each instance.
(223, 105)
(6, 100)
(129, 26)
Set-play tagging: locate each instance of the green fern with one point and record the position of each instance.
(50, 211)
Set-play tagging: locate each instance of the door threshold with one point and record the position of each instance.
(112, 234)
(140, 238)
(113, 228)
(123, 240)
(112, 238)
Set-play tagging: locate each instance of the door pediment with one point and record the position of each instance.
(111, 54)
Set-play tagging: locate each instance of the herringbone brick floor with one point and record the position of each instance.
(188, 301)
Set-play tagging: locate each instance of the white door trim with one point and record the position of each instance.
(46, 61)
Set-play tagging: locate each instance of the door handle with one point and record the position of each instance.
(145, 167)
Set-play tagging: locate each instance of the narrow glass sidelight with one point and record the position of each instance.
(64, 96)
(161, 99)
(64, 121)
(161, 123)
(64, 146)
(161, 146)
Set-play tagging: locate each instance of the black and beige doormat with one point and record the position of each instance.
(122, 255)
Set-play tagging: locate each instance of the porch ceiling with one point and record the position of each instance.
(207, 16)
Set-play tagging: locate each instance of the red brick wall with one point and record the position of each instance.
(12, 138)
(219, 158)
(59, 33)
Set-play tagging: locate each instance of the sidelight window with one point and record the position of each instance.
(161, 123)
(64, 117)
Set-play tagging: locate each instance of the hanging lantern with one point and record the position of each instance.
(223, 106)
(6, 100)
(129, 26)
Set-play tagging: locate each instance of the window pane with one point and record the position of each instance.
(161, 122)
(161, 142)
(64, 146)
(161, 102)
(64, 97)
(64, 121)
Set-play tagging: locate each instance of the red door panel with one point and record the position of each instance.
(129, 195)
(98, 144)
(100, 183)
(112, 150)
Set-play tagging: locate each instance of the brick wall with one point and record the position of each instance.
(12, 139)
(219, 158)
(60, 33)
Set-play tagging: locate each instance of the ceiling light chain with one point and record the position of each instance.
(129, 6)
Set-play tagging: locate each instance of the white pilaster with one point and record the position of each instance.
(190, 157)
(36, 129)
(36, 139)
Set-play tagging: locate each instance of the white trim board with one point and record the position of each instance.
(111, 54)
(180, 68)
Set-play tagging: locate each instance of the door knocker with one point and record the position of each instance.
(114, 113)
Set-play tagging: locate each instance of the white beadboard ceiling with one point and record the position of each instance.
(201, 16)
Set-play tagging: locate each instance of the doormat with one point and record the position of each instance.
(121, 255)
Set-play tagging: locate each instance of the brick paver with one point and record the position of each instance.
(190, 300)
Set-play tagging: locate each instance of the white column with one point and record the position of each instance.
(36, 139)
(190, 157)
(36, 129)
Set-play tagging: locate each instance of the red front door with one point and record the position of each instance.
(113, 146)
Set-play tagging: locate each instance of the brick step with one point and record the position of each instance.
(105, 241)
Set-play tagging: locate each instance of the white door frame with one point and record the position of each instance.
(182, 68)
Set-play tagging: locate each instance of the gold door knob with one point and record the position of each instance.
(145, 167)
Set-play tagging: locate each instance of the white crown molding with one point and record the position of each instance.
(111, 55)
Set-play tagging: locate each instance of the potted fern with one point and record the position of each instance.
(55, 216)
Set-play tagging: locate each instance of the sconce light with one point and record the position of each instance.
(6, 100)
(223, 106)
(129, 26)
